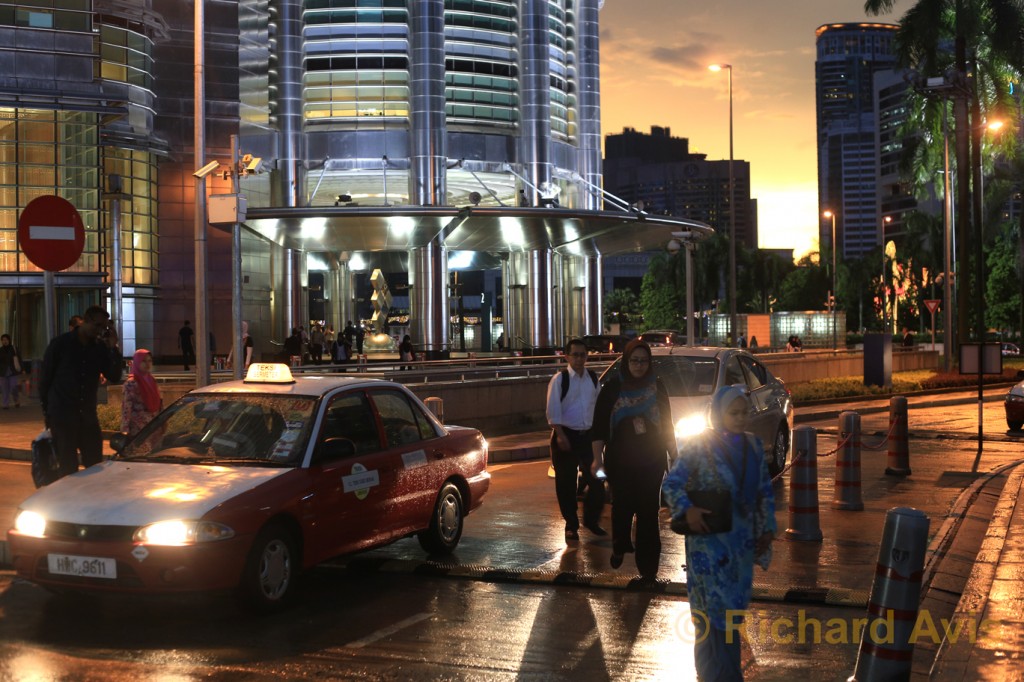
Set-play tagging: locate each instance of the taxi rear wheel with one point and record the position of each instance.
(445, 523)
(271, 569)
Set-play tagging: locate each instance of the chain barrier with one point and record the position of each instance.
(839, 446)
(885, 439)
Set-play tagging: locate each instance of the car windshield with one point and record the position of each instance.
(230, 430)
(684, 376)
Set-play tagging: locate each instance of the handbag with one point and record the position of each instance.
(716, 500)
(44, 460)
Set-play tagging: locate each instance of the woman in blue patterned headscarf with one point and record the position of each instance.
(632, 435)
(720, 566)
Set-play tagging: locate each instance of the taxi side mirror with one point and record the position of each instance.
(334, 449)
(118, 441)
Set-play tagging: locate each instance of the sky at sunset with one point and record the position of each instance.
(654, 59)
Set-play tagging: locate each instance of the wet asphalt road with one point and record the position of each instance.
(394, 625)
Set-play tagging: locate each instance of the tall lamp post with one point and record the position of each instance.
(833, 297)
(885, 285)
(732, 213)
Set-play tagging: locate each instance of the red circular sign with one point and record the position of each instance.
(51, 233)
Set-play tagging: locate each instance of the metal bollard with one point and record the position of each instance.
(886, 650)
(847, 493)
(436, 405)
(803, 486)
(899, 448)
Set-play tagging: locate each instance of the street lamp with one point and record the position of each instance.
(732, 212)
(832, 297)
(885, 285)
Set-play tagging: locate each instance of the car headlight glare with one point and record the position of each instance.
(690, 426)
(1014, 398)
(30, 523)
(179, 532)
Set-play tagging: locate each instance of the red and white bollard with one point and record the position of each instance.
(886, 648)
(899, 447)
(803, 486)
(847, 493)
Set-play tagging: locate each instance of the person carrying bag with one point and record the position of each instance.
(10, 372)
(720, 555)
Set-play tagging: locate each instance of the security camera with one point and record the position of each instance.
(252, 164)
(474, 198)
(207, 169)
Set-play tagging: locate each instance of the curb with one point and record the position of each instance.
(490, 574)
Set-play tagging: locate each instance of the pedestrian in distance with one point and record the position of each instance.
(140, 400)
(247, 348)
(73, 364)
(743, 340)
(10, 371)
(293, 346)
(572, 393)
(633, 436)
(188, 351)
(360, 337)
(406, 351)
(74, 322)
(753, 342)
(720, 566)
(908, 338)
(316, 344)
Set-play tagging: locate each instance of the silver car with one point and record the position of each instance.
(692, 375)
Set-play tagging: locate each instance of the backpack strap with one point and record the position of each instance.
(565, 381)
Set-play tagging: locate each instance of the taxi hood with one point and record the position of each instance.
(137, 493)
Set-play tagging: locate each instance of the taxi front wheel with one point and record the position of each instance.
(271, 569)
(445, 523)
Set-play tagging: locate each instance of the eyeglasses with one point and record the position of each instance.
(639, 361)
(578, 355)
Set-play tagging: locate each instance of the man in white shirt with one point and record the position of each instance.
(570, 410)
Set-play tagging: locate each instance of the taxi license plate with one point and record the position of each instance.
(82, 566)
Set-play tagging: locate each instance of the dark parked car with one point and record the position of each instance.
(663, 337)
(692, 375)
(1015, 405)
(606, 343)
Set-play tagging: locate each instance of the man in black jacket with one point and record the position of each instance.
(72, 367)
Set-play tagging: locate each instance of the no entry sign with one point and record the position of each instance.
(51, 233)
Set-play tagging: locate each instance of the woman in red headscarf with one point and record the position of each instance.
(141, 399)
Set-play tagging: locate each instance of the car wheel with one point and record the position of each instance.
(1014, 426)
(780, 447)
(445, 524)
(271, 570)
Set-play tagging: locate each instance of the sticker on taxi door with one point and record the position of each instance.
(360, 481)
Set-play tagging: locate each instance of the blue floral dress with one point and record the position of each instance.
(720, 567)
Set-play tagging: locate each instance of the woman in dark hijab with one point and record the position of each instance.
(632, 434)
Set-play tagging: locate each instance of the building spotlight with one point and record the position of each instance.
(207, 169)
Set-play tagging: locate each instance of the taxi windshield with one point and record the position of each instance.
(229, 430)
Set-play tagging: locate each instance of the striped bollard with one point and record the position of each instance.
(899, 448)
(886, 650)
(847, 493)
(803, 486)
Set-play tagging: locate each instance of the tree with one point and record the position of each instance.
(988, 44)
(1002, 310)
(805, 287)
(622, 307)
(662, 297)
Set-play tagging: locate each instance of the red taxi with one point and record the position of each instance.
(241, 485)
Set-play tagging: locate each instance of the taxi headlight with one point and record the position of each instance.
(30, 523)
(690, 426)
(179, 532)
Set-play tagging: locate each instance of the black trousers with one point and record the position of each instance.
(637, 491)
(73, 434)
(567, 463)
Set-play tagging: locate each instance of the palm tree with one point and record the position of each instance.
(988, 36)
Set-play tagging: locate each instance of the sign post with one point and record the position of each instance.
(52, 236)
(933, 306)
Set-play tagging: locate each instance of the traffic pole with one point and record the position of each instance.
(899, 447)
(847, 495)
(803, 487)
(886, 648)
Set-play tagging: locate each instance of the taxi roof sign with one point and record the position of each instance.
(269, 373)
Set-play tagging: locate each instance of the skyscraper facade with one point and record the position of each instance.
(849, 56)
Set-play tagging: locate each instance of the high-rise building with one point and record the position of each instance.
(392, 132)
(849, 56)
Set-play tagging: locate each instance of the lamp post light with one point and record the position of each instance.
(732, 212)
(833, 297)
